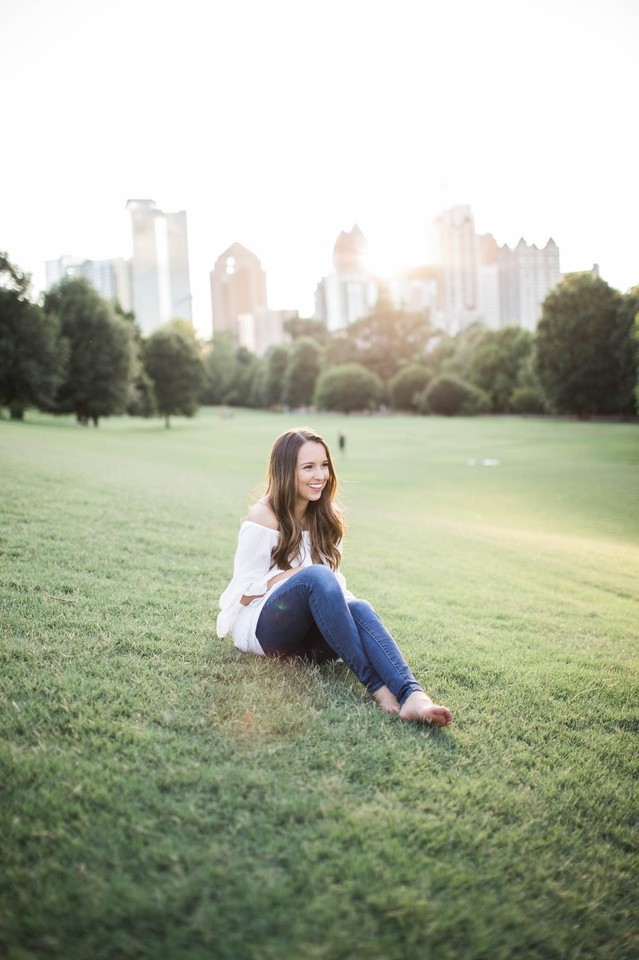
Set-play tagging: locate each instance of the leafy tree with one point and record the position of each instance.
(449, 395)
(298, 327)
(276, 361)
(341, 348)
(258, 384)
(407, 385)
(348, 387)
(173, 362)
(101, 352)
(584, 354)
(388, 336)
(629, 310)
(495, 361)
(302, 371)
(141, 401)
(456, 353)
(220, 368)
(246, 368)
(32, 354)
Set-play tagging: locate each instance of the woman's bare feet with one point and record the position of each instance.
(386, 700)
(420, 709)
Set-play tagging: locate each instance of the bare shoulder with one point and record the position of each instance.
(261, 513)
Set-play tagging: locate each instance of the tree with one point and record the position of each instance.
(449, 395)
(220, 369)
(407, 385)
(348, 387)
(302, 371)
(584, 355)
(246, 368)
(101, 352)
(495, 362)
(298, 327)
(173, 362)
(32, 353)
(276, 362)
(388, 336)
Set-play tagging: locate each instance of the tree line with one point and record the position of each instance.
(75, 352)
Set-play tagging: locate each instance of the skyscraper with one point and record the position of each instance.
(160, 265)
(480, 280)
(238, 287)
(458, 257)
(349, 292)
(111, 278)
(527, 273)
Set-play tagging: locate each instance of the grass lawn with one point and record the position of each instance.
(165, 796)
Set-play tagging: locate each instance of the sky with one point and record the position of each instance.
(279, 123)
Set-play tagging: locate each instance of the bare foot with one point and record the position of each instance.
(420, 709)
(386, 700)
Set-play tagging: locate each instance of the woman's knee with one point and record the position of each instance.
(361, 607)
(321, 577)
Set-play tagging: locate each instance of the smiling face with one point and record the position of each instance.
(311, 475)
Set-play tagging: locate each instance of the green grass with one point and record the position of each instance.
(165, 796)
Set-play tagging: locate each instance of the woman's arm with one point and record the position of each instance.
(270, 583)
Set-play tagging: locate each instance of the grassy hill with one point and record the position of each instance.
(165, 796)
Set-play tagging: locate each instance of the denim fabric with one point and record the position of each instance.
(307, 615)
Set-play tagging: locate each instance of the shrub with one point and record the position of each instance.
(347, 387)
(449, 395)
(527, 399)
(406, 387)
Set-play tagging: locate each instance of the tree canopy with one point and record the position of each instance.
(584, 357)
(32, 353)
(302, 372)
(348, 387)
(173, 361)
(388, 337)
(101, 351)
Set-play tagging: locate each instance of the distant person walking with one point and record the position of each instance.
(341, 440)
(287, 596)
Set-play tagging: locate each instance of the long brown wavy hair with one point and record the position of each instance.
(323, 518)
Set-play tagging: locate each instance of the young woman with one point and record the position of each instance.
(288, 597)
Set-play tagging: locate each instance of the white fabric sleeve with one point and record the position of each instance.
(252, 568)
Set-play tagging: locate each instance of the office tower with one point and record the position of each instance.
(238, 287)
(458, 257)
(526, 275)
(482, 281)
(263, 328)
(349, 292)
(111, 278)
(488, 282)
(160, 265)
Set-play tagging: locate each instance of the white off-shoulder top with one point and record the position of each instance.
(252, 569)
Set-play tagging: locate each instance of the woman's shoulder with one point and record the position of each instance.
(261, 514)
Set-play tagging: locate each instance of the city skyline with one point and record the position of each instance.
(278, 131)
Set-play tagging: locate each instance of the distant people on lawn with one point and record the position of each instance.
(341, 440)
(288, 597)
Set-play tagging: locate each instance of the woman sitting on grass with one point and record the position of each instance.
(288, 597)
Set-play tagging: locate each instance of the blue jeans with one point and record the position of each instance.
(307, 615)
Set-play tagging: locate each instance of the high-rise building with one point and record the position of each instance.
(238, 287)
(458, 257)
(111, 278)
(263, 328)
(526, 273)
(349, 292)
(482, 281)
(160, 265)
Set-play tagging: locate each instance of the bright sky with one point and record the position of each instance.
(278, 123)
